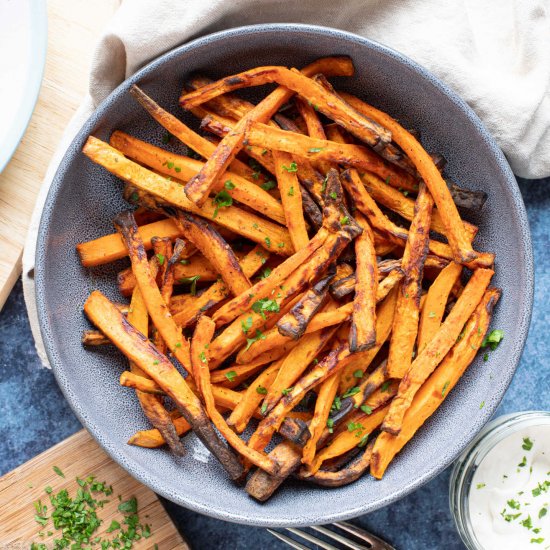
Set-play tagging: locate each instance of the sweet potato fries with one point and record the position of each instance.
(302, 277)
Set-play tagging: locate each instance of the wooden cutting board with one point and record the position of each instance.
(77, 456)
(73, 29)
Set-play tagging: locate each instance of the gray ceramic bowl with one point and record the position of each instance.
(84, 198)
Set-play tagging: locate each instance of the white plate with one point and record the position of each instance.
(23, 40)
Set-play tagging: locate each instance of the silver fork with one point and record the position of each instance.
(373, 542)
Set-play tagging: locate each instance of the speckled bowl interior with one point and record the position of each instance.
(84, 199)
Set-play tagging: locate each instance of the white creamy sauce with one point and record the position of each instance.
(509, 497)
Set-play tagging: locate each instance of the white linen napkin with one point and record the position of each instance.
(495, 54)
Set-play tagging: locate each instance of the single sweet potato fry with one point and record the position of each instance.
(110, 247)
(362, 333)
(325, 397)
(434, 305)
(360, 362)
(295, 322)
(153, 439)
(350, 473)
(252, 397)
(289, 187)
(407, 311)
(215, 250)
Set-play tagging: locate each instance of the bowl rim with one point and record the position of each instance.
(267, 517)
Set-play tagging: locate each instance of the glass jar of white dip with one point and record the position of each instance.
(500, 486)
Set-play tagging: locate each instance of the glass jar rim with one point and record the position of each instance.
(462, 473)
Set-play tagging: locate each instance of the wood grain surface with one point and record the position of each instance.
(77, 456)
(73, 29)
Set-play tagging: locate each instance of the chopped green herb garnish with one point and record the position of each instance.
(221, 200)
(333, 195)
(229, 185)
(259, 336)
(363, 441)
(58, 471)
(330, 425)
(336, 404)
(445, 386)
(523, 462)
(493, 339)
(292, 168)
(480, 485)
(185, 262)
(366, 409)
(509, 517)
(514, 504)
(291, 191)
(482, 404)
(351, 391)
(358, 373)
(261, 390)
(542, 512)
(344, 220)
(246, 325)
(160, 258)
(540, 540)
(267, 241)
(202, 357)
(193, 282)
(527, 444)
(315, 150)
(286, 391)
(265, 304)
(354, 426)
(431, 314)
(385, 386)
(114, 526)
(231, 375)
(527, 523)
(268, 185)
(280, 245)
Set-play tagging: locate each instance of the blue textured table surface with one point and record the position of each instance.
(34, 416)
